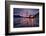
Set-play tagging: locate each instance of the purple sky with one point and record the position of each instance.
(25, 12)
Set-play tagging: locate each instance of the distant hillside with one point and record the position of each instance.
(17, 16)
(37, 15)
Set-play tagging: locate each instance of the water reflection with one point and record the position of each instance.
(26, 22)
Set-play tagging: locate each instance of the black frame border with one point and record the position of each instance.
(35, 32)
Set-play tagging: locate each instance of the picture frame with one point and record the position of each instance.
(11, 7)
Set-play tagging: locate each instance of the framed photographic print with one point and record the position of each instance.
(24, 17)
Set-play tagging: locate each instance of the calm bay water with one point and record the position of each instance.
(26, 22)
